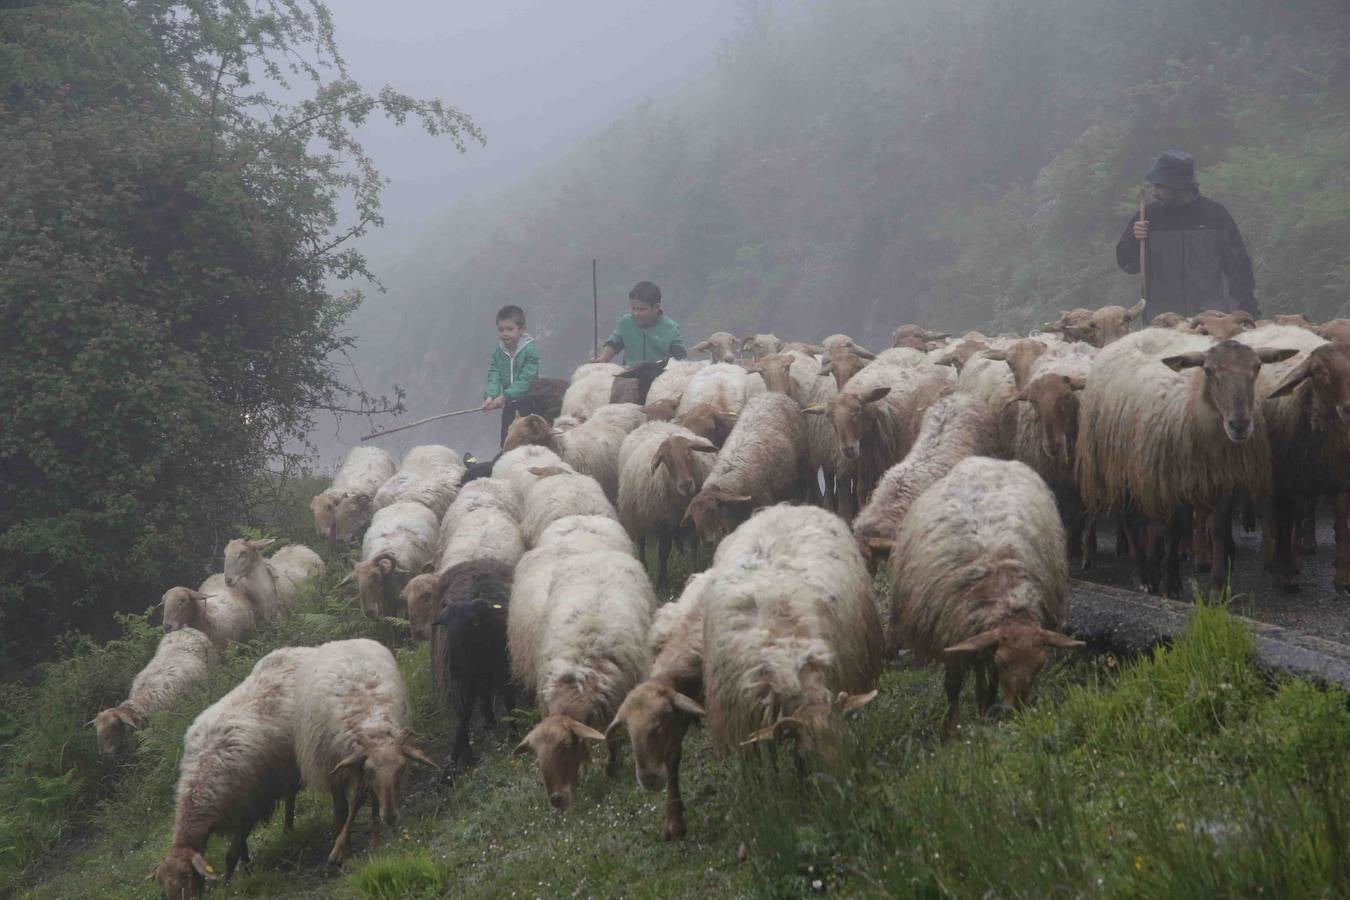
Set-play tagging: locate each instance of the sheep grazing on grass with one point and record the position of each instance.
(590, 389)
(1307, 414)
(721, 347)
(346, 506)
(762, 462)
(979, 576)
(180, 663)
(586, 650)
(559, 493)
(352, 734)
(271, 584)
(430, 475)
(791, 636)
(658, 711)
(592, 448)
(400, 542)
(468, 646)
(661, 467)
(1097, 327)
(954, 428)
(1169, 422)
(485, 533)
(217, 610)
(238, 761)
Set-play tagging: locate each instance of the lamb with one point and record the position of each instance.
(758, 346)
(468, 646)
(791, 635)
(430, 475)
(721, 346)
(1097, 327)
(271, 585)
(217, 610)
(514, 466)
(1307, 413)
(762, 462)
(876, 416)
(589, 390)
(671, 384)
(979, 576)
(953, 429)
(560, 493)
(589, 649)
(401, 540)
(343, 509)
(661, 467)
(719, 384)
(658, 711)
(1155, 440)
(352, 734)
(238, 761)
(180, 663)
(485, 533)
(591, 448)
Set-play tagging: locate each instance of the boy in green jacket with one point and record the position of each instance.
(646, 333)
(514, 367)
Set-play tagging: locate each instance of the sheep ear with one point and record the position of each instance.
(126, 718)
(656, 463)
(615, 728)
(356, 759)
(876, 394)
(687, 705)
(880, 543)
(524, 746)
(203, 867)
(815, 409)
(198, 595)
(1055, 639)
(858, 701)
(936, 335)
(752, 368)
(386, 565)
(582, 730)
(1184, 361)
(546, 471)
(1275, 354)
(702, 445)
(412, 751)
(788, 726)
(1077, 382)
(1299, 375)
(763, 734)
(1000, 355)
(981, 641)
(347, 579)
(427, 569)
(262, 544)
(862, 352)
(1133, 312)
(688, 517)
(827, 367)
(724, 497)
(700, 347)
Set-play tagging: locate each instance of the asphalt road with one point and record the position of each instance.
(1316, 610)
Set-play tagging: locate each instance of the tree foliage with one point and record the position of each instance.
(169, 230)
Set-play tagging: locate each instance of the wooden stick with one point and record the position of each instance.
(458, 412)
(595, 312)
(1143, 255)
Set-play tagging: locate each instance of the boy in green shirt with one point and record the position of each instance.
(514, 367)
(646, 333)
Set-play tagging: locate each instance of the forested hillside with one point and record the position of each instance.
(872, 162)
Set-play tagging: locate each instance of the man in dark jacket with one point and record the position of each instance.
(1193, 246)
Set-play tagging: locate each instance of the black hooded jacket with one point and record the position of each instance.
(1192, 249)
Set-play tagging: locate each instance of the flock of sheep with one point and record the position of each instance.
(978, 465)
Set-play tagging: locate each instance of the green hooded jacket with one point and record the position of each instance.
(513, 373)
(660, 340)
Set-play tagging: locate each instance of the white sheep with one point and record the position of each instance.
(721, 346)
(720, 384)
(592, 448)
(180, 663)
(401, 541)
(979, 578)
(561, 493)
(589, 650)
(238, 761)
(222, 613)
(430, 475)
(514, 467)
(481, 492)
(570, 529)
(661, 467)
(670, 385)
(791, 636)
(758, 346)
(352, 733)
(346, 506)
(484, 533)
(590, 391)
(271, 588)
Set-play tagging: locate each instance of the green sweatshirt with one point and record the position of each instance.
(513, 373)
(660, 340)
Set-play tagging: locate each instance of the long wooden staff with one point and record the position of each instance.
(458, 412)
(595, 313)
(1143, 256)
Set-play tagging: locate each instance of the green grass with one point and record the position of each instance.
(1185, 773)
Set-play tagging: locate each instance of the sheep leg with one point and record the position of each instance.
(674, 828)
(1221, 532)
(985, 682)
(1178, 529)
(342, 847)
(1089, 538)
(956, 677)
(829, 498)
(1342, 581)
(642, 549)
(374, 821)
(1269, 540)
(663, 543)
(613, 762)
(1307, 528)
(237, 853)
(1248, 515)
(1123, 543)
(485, 704)
(288, 819)
(460, 749)
(1285, 525)
(1202, 542)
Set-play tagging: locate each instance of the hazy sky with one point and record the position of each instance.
(537, 76)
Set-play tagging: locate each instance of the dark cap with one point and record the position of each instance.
(1173, 169)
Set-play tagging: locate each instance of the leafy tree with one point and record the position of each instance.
(169, 230)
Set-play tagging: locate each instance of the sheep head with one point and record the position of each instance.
(1298, 320)
(1020, 356)
(1337, 331)
(1170, 320)
(708, 511)
(758, 346)
(183, 873)
(676, 453)
(776, 370)
(721, 347)
(813, 725)
(655, 716)
(959, 355)
(242, 558)
(843, 364)
(916, 336)
(182, 608)
(559, 746)
(370, 576)
(1229, 370)
(324, 507)
(380, 766)
(421, 595)
(524, 430)
(852, 415)
(1223, 326)
(113, 726)
(1097, 327)
(1055, 399)
(354, 512)
(708, 420)
(1328, 369)
(1019, 650)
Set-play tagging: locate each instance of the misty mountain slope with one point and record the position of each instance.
(871, 163)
